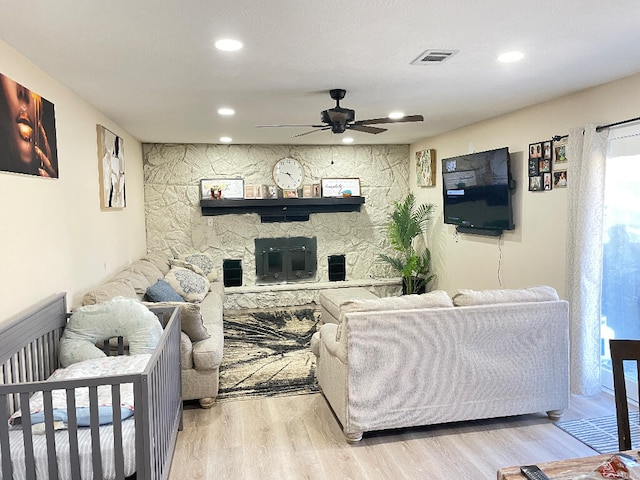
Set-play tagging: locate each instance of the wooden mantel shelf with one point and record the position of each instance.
(281, 209)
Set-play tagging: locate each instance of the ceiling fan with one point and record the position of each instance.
(339, 119)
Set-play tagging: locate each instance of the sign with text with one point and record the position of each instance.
(340, 187)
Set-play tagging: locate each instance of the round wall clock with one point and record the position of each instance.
(288, 173)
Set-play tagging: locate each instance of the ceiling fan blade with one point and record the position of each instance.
(310, 131)
(408, 118)
(295, 125)
(365, 129)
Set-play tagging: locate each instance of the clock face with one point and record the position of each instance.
(288, 174)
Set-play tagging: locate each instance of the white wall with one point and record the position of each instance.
(53, 235)
(533, 253)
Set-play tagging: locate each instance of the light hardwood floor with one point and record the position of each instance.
(297, 437)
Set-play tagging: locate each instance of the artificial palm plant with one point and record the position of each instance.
(409, 220)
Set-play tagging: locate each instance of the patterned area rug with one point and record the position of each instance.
(601, 434)
(267, 353)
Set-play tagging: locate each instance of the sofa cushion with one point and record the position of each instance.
(148, 269)
(161, 291)
(138, 281)
(190, 318)
(332, 298)
(191, 286)
(108, 290)
(434, 299)
(542, 293)
(186, 351)
(204, 262)
(159, 259)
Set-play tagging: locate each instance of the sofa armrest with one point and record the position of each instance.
(207, 354)
(337, 348)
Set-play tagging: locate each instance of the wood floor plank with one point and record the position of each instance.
(298, 437)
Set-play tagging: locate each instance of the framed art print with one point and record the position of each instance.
(426, 168)
(340, 187)
(111, 170)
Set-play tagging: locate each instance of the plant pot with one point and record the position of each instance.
(422, 289)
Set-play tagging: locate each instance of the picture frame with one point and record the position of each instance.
(426, 168)
(307, 191)
(560, 179)
(560, 151)
(111, 170)
(315, 190)
(535, 183)
(546, 181)
(340, 187)
(290, 193)
(249, 191)
(222, 188)
(269, 191)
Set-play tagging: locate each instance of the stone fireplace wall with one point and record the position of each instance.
(172, 174)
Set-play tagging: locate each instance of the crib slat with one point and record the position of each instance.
(72, 429)
(4, 443)
(96, 454)
(27, 437)
(118, 453)
(50, 434)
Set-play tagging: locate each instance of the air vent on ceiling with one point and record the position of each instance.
(431, 57)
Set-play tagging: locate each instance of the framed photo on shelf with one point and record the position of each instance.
(222, 188)
(290, 193)
(340, 187)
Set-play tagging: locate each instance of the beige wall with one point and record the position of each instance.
(533, 253)
(53, 236)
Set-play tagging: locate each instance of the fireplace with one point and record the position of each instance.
(285, 260)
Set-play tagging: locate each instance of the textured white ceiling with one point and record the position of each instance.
(151, 67)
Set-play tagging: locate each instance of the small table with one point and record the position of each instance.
(563, 469)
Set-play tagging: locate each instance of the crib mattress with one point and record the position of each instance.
(84, 449)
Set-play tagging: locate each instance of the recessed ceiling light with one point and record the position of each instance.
(347, 140)
(226, 139)
(226, 111)
(509, 57)
(228, 45)
(396, 115)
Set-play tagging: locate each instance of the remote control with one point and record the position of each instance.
(532, 472)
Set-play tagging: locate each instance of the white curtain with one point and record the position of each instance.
(586, 154)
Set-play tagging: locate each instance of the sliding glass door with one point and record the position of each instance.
(621, 249)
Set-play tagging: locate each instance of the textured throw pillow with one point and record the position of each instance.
(161, 291)
(108, 290)
(543, 293)
(190, 318)
(204, 262)
(184, 264)
(189, 285)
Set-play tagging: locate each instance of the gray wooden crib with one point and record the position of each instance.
(141, 445)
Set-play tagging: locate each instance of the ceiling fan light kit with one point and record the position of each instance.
(339, 119)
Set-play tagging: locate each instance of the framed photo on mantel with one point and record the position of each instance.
(340, 187)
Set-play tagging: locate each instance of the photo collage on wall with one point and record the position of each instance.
(540, 161)
(548, 164)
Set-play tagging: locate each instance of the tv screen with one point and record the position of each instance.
(477, 194)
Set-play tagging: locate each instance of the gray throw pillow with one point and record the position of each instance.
(161, 291)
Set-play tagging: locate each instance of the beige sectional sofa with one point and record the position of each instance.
(192, 277)
(430, 359)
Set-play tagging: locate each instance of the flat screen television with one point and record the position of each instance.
(477, 192)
